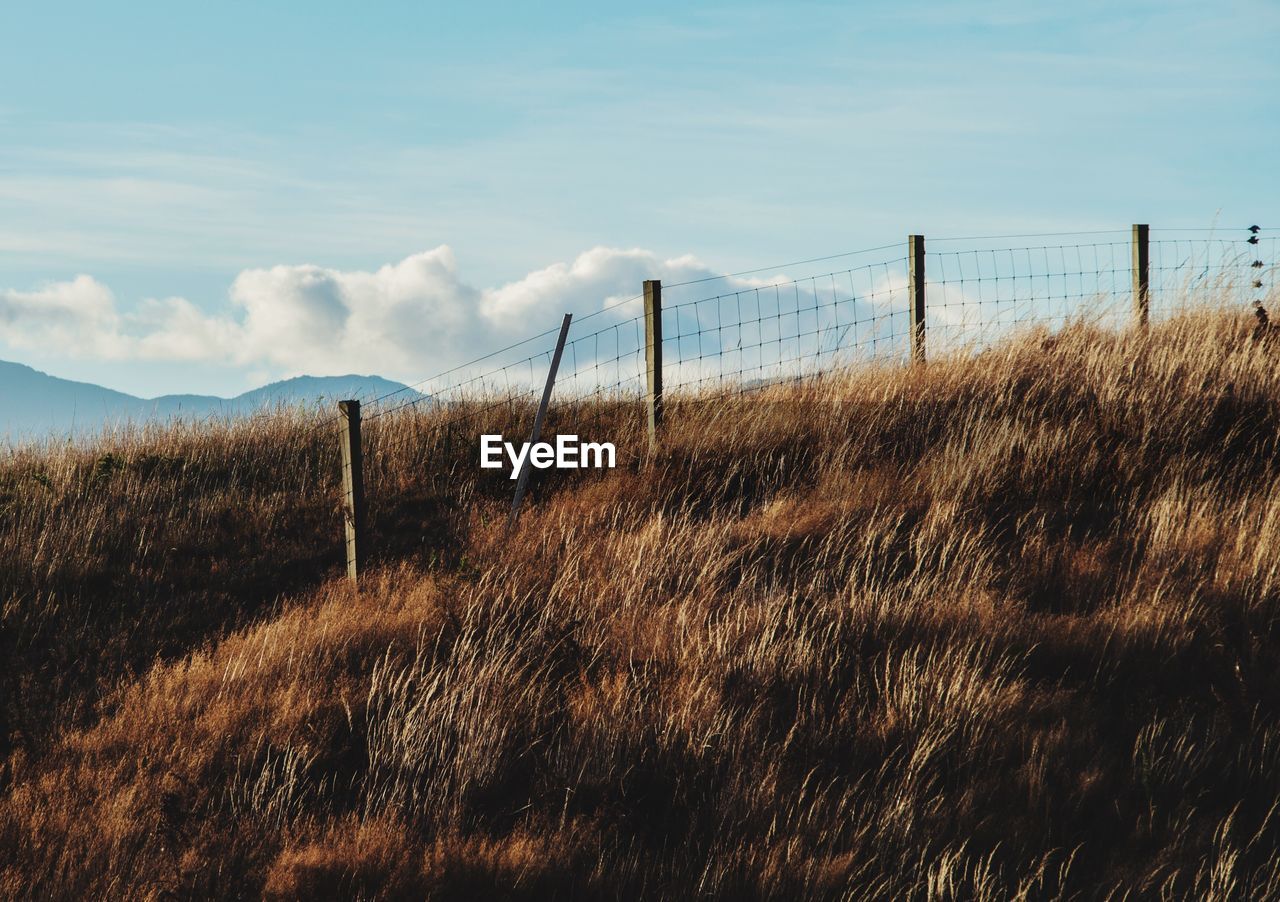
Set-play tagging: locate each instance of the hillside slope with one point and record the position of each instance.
(998, 627)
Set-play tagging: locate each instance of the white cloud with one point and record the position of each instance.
(418, 317)
(404, 320)
(80, 318)
(79, 315)
(602, 276)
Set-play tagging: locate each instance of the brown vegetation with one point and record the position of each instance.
(1005, 626)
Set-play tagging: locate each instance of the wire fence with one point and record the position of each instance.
(979, 294)
(1194, 271)
(787, 328)
(760, 329)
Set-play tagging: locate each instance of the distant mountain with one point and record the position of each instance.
(36, 405)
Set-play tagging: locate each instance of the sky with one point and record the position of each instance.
(206, 198)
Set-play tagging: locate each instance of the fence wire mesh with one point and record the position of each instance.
(786, 329)
(1191, 271)
(978, 295)
(762, 330)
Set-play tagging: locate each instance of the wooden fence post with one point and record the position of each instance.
(653, 356)
(1141, 275)
(352, 487)
(523, 478)
(915, 290)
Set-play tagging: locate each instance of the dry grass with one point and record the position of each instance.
(1001, 627)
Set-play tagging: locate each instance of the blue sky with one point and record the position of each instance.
(189, 196)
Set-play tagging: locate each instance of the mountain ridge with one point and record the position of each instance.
(40, 405)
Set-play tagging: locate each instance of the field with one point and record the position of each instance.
(1002, 626)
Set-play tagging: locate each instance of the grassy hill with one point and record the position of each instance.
(1005, 626)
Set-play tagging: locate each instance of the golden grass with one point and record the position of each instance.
(1005, 626)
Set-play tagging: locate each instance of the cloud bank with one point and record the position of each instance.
(406, 318)
(418, 317)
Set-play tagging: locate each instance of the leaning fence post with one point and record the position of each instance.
(915, 290)
(653, 356)
(1141, 275)
(352, 487)
(523, 478)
